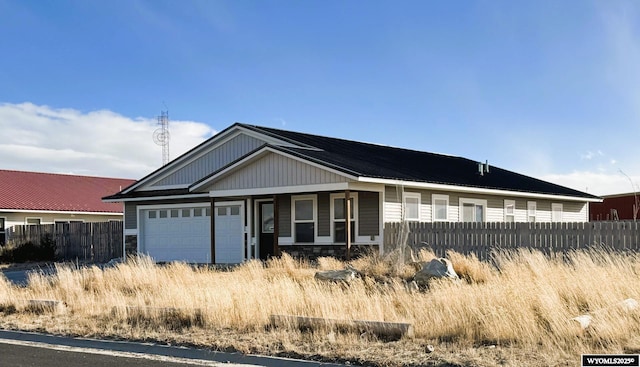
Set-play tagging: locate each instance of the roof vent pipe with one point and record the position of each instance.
(483, 168)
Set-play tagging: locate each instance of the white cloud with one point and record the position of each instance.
(595, 183)
(97, 143)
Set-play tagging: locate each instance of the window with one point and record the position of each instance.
(510, 211)
(472, 210)
(35, 221)
(235, 210)
(338, 217)
(1, 224)
(412, 206)
(152, 214)
(304, 219)
(440, 208)
(163, 213)
(222, 211)
(186, 213)
(556, 212)
(197, 212)
(175, 213)
(531, 211)
(207, 212)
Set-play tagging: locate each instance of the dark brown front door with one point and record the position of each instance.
(267, 226)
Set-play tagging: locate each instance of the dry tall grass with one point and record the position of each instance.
(522, 306)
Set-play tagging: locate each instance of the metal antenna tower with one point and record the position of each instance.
(161, 135)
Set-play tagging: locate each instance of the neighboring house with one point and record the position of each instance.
(616, 207)
(273, 190)
(45, 198)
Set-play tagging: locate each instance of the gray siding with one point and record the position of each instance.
(130, 216)
(212, 161)
(274, 170)
(369, 213)
(324, 215)
(284, 216)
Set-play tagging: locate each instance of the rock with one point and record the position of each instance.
(583, 320)
(429, 348)
(345, 275)
(435, 269)
(629, 304)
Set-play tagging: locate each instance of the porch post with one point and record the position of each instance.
(347, 222)
(276, 226)
(213, 230)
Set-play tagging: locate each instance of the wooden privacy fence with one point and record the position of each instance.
(94, 242)
(482, 238)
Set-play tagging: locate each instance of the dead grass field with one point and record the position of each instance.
(512, 314)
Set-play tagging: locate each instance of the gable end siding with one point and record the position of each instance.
(212, 161)
(274, 170)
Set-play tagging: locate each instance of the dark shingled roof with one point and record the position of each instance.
(378, 161)
(384, 162)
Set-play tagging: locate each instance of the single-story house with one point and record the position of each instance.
(616, 207)
(252, 191)
(46, 198)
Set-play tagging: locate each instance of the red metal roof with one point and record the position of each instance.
(21, 190)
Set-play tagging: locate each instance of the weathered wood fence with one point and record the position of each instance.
(483, 238)
(94, 242)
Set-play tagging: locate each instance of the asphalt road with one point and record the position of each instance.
(19, 277)
(30, 356)
(18, 349)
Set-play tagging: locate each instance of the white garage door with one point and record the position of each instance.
(177, 234)
(229, 233)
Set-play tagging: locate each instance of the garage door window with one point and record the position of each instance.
(186, 213)
(152, 214)
(197, 212)
(163, 213)
(175, 213)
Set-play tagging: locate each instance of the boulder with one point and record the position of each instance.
(435, 269)
(345, 275)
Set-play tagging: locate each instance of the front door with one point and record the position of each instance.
(267, 225)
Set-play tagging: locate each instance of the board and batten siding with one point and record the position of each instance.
(274, 170)
(212, 161)
(571, 211)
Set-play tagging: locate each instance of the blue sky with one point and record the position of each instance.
(545, 88)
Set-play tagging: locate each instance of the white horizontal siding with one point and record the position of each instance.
(572, 211)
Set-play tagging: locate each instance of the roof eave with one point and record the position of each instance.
(477, 190)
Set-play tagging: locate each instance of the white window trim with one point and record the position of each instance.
(314, 199)
(413, 195)
(26, 220)
(353, 196)
(556, 207)
(480, 202)
(435, 197)
(532, 207)
(67, 220)
(508, 203)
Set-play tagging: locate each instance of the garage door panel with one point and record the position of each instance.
(229, 234)
(177, 238)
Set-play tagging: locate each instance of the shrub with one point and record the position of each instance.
(28, 251)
